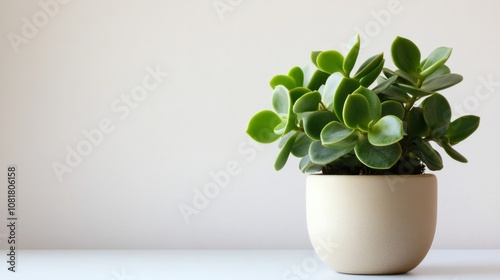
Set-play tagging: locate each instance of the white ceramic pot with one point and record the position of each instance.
(371, 224)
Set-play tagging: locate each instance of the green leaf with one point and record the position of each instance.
(297, 92)
(388, 130)
(330, 61)
(454, 154)
(307, 102)
(317, 80)
(298, 75)
(323, 155)
(402, 77)
(416, 123)
(462, 128)
(352, 55)
(384, 84)
(292, 119)
(261, 126)
(437, 111)
(337, 136)
(280, 128)
(393, 107)
(331, 86)
(427, 154)
(314, 123)
(283, 80)
(369, 78)
(284, 138)
(307, 166)
(281, 100)
(406, 55)
(377, 157)
(285, 153)
(407, 78)
(301, 145)
(443, 70)
(356, 112)
(314, 57)
(395, 93)
(414, 90)
(373, 102)
(441, 82)
(346, 87)
(436, 59)
(368, 66)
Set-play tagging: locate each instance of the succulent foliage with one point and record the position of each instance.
(337, 121)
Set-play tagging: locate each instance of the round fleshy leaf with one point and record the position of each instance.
(369, 78)
(388, 130)
(395, 93)
(280, 128)
(330, 61)
(317, 80)
(441, 82)
(427, 154)
(416, 125)
(261, 126)
(285, 153)
(301, 145)
(337, 136)
(322, 155)
(443, 70)
(435, 60)
(346, 87)
(402, 77)
(331, 86)
(314, 57)
(393, 107)
(377, 157)
(384, 84)
(462, 128)
(291, 118)
(437, 111)
(283, 80)
(307, 102)
(356, 112)
(454, 154)
(406, 55)
(418, 92)
(298, 75)
(352, 54)
(373, 102)
(369, 65)
(314, 123)
(280, 99)
(307, 166)
(406, 78)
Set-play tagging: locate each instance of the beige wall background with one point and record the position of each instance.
(120, 114)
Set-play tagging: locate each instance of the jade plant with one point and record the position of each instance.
(371, 121)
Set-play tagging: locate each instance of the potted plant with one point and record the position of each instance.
(370, 207)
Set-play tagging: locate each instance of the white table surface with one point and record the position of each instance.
(234, 265)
